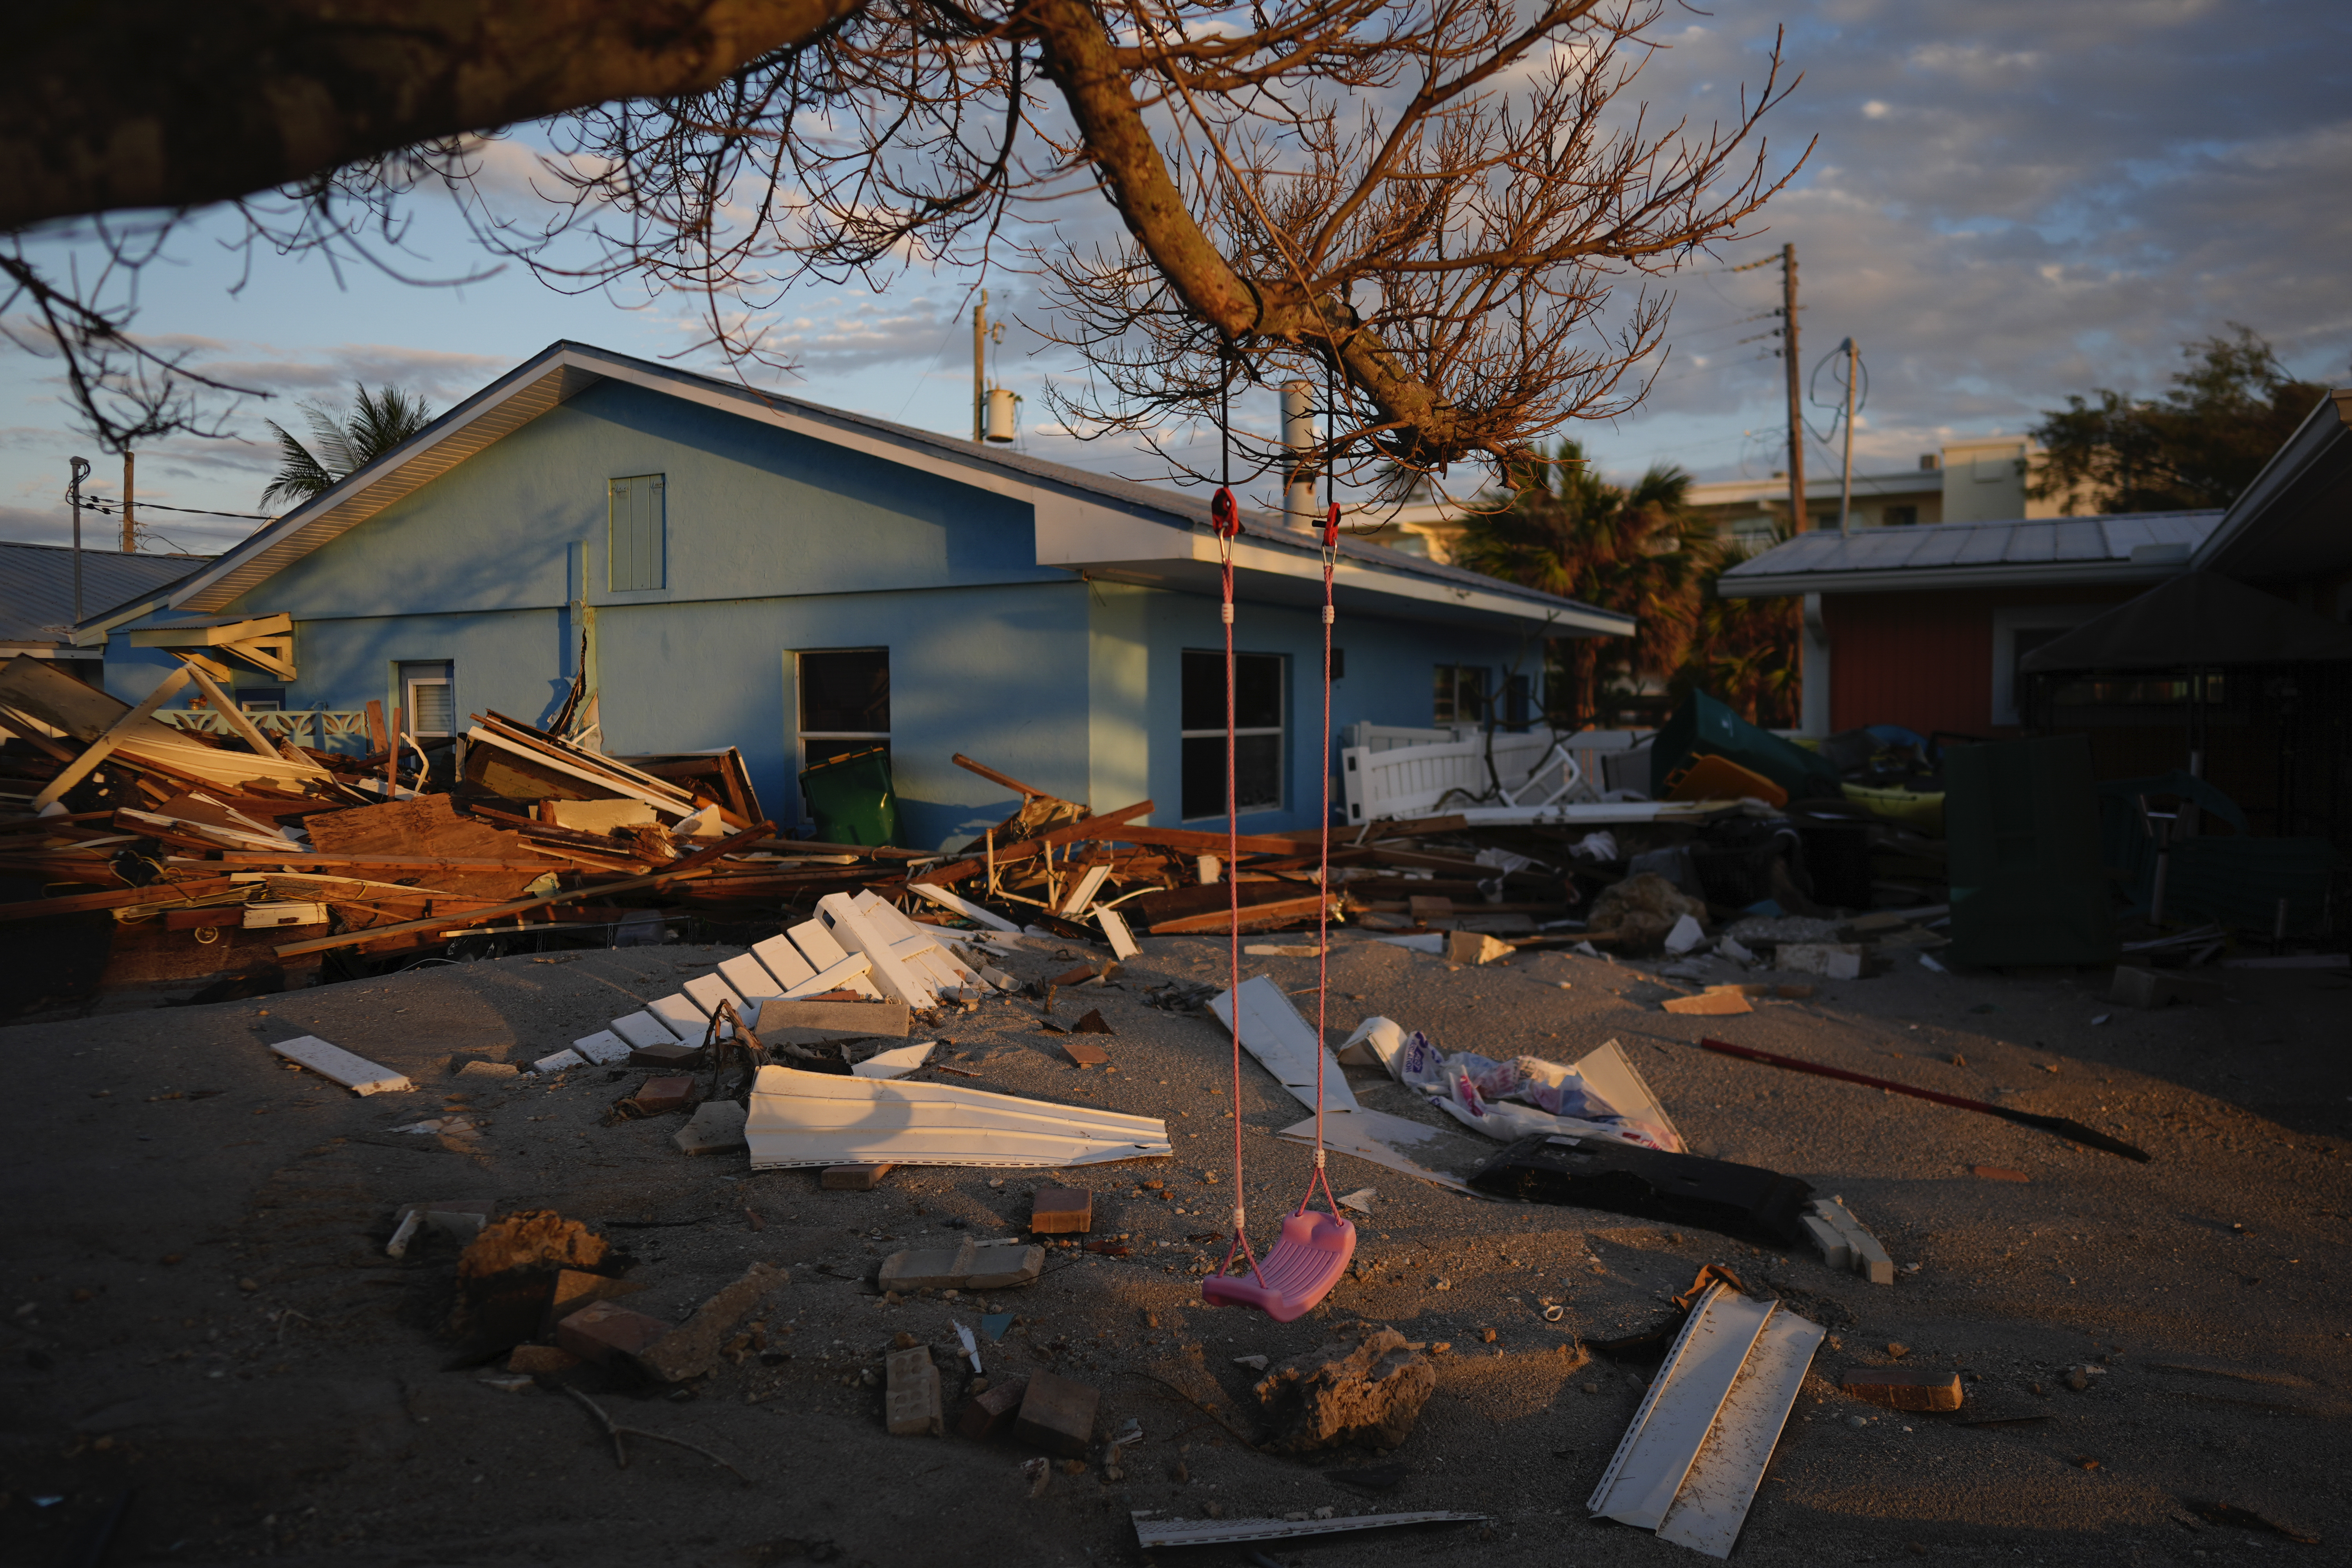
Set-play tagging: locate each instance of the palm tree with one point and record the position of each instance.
(381, 420)
(1745, 650)
(1639, 550)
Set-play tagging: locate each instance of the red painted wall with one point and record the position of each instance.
(1924, 660)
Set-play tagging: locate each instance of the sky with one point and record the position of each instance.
(2005, 203)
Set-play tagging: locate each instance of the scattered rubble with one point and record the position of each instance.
(1368, 1395)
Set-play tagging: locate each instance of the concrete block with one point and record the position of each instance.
(715, 1126)
(338, 1065)
(1905, 1387)
(604, 1331)
(682, 1018)
(853, 1178)
(675, 1056)
(559, 1061)
(965, 1267)
(1057, 1415)
(1826, 1241)
(1056, 1210)
(1871, 1261)
(2136, 987)
(660, 1095)
(911, 1403)
(836, 1020)
(985, 1415)
(692, 1349)
(603, 1048)
(643, 1029)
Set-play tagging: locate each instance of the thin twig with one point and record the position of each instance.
(615, 1431)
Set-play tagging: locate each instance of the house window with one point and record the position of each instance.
(2017, 632)
(261, 699)
(845, 702)
(1461, 695)
(1519, 703)
(638, 551)
(1901, 516)
(1257, 733)
(428, 700)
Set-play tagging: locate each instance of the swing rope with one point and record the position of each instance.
(1224, 514)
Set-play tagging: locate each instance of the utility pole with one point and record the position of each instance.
(80, 471)
(1845, 484)
(980, 369)
(1796, 393)
(130, 531)
(1299, 440)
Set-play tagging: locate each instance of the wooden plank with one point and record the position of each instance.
(1201, 843)
(992, 776)
(689, 867)
(1275, 912)
(213, 633)
(1080, 831)
(243, 859)
(246, 729)
(81, 767)
(161, 894)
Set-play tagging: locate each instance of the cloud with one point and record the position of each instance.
(2010, 202)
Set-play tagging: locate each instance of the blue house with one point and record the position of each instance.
(732, 568)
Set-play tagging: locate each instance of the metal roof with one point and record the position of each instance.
(2124, 547)
(37, 586)
(563, 370)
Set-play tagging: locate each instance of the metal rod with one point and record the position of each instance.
(1796, 393)
(1845, 484)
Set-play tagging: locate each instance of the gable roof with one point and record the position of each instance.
(1089, 523)
(2123, 547)
(2295, 520)
(37, 597)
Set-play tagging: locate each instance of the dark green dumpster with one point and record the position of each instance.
(2021, 826)
(850, 797)
(1703, 726)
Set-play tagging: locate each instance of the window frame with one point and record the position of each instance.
(1280, 729)
(2005, 624)
(408, 685)
(801, 737)
(1452, 676)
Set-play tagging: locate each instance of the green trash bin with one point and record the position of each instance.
(1704, 727)
(2022, 831)
(851, 798)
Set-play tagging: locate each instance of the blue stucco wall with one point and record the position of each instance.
(778, 544)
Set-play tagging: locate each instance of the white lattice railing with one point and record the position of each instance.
(312, 727)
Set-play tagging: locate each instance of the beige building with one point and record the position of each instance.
(1978, 480)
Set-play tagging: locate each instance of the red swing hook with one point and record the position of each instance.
(1225, 513)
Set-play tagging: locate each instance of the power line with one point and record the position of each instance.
(106, 508)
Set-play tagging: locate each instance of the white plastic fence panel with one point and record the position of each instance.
(1418, 780)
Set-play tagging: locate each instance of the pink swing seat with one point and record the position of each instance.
(1305, 1264)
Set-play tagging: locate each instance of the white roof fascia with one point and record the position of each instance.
(1896, 580)
(2310, 438)
(1076, 529)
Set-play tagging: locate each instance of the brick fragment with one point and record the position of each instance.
(576, 1289)
(660, 1095)
(1057, 1415)
(541, 1361)
(987, 1415)
(692, 1349)
(912, 1404)
(670, 1057)
(1056, 1210)
(853, 1178)
(1904, 1387)
(715, 1126)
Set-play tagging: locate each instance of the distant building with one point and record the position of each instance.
(1978, 480)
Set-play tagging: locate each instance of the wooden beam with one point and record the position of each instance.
(185, 637)
(1280, 911)
(689, 867)
(81, 767)
(1201, 843)
(1022, 849)
(245, 727)
(158, 893)
(992, 776)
